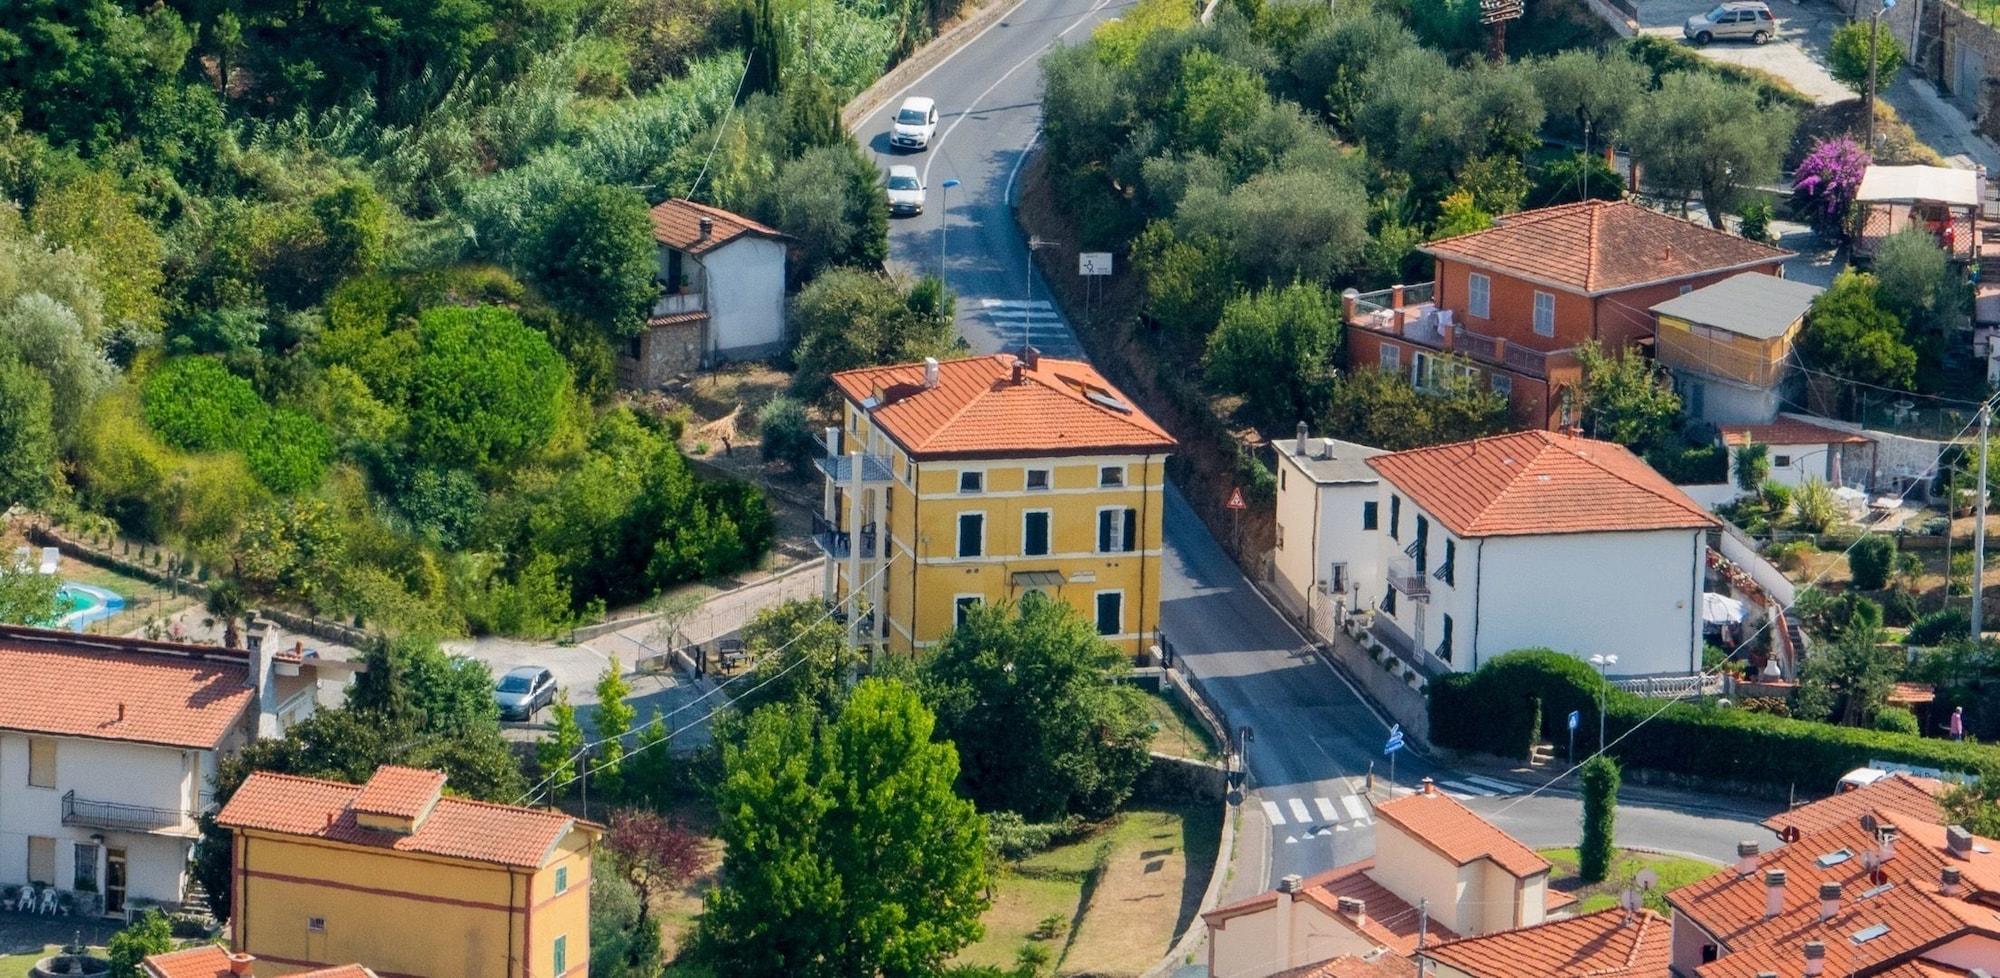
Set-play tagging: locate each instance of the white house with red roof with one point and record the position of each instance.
(1531, 539)
(108, 747)
(1801, 447)
(722, 294)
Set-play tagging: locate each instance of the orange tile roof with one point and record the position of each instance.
(1607, 943)
(405, 792)
(1788, 431)
(1599, 246)
(67, 684)
(1898, 794)
(1915, 921)
(1387, 920)
(677, 224)
(1533, 482)
(1920, 968)
(455, 827)
(1353, 966)
(1439, 821)
(212, 961)
(976, 411)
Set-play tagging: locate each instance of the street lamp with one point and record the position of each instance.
(944, 221)
(1603, 664)
(1874, 29)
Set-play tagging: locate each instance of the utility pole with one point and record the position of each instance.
(1979, 531)
(1874, 29)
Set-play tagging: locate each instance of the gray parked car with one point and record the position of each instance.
(523, 691)
(1747, 20)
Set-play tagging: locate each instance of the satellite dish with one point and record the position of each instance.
(1647, 879)
(1628, 899)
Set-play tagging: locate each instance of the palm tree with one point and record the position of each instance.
(227, 602)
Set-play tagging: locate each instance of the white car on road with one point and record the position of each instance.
(906, 190)
(916, 123)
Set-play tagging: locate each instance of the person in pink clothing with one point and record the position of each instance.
(1958, 723)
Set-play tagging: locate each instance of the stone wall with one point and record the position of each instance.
(1172, 780)
(1951, 48)
(664, 353)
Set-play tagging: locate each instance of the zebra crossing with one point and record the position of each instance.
(1305, 818)
(1037, 320)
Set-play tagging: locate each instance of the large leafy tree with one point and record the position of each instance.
(803, 658)
(1847, 56)
(1590, 91)
(1850, 336)
(1848, 679)
(91, 72)
(27, 597)
(1702, 135)
(1029, 694)
(592, 251)
(27, 436)
(486, 391)
(1385, 410)
(1625, 399)
(847, 851)
(1277, 347)
(852, 318)
(830, 200)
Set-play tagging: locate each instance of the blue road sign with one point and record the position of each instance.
(1575, 717)
(1395, 740)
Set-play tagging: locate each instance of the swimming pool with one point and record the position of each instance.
(77, 605)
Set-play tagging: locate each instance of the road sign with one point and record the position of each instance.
(1093, 263)
(1395, 742)
(1575, 717)
(1236, 499)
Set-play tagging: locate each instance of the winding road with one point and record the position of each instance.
(1314, 737)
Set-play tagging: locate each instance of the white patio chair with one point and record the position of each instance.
(48, 907)
(51, 560)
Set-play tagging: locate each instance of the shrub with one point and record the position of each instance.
(1870, 560)
(1690, 465)
(1600, 815)
(1756, 220)
(1939, 626)
(1814, 506)
(787, 434)
(1899, 607)
(1895, 719)
(196, 404)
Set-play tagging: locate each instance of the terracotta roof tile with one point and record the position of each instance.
(677, 224)
(1920, 968)
(1534, 482)
(212, 961)
(1353, 966)
(1606, 943)
(455, 827)
(405, 792)
(976, 411)
(1387, 921)
(144, 692)
(1439, 821)
(1789, 431)
(1898, 793)
(1600, 246)
(1914, 920)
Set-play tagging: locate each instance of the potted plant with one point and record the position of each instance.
(10, 897)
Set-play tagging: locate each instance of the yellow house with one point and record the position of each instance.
(393, 873)
(983, 479)
(1729, 345)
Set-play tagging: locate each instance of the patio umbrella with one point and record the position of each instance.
(1718, 609)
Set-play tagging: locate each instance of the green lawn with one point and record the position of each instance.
(1674, 872)
(1176, 731)
(143, 600)
(17, 965)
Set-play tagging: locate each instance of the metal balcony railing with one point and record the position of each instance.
(840, 468)
(1405, 577)
(835, 542)
(116, 815)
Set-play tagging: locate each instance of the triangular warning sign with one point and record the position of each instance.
(1236, 499)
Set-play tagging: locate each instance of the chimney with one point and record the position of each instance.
(1428, 787)
(1034, 358)
(1355, 907)
(1669, 256)
(1959, 841)
(1302, 439)
(930, 373)
(1815, 958)
(239, 963)
(1829, 900)
(1018, 377)
(832, 440)
(1290, 884)
(1948, 882)
(1886, 835)
(263, 676)
(1286, 888)
(121, 711)
(707, 228)
(1774, 893)
(1746, 858)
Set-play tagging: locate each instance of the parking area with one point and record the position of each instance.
(1796, 55)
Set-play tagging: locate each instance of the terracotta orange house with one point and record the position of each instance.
(1511, 304)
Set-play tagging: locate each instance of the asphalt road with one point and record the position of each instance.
(1314, 738)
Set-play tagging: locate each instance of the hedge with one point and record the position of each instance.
(1516, 698)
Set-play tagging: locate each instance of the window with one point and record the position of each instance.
(1545, 314)
(1035, 533)
(1422, 372)
(1117, 530)
(1419, 548)
(1395, 517)
(562, 954)
(1389, 600)
(971, 534)
(971, 480)
(1370, 514)
(41, 859)
(84, 868)
(1503, 385)
(1281, 480)
(961, 605)
(1038, 479)
(316, 925)
(1783, 462)
(1111, 475)
(1110, 612)
(632, 346)
(41, 765)
(1478, 295)
(1446, 571)
(1337, 583)
(1444, 643)
(562, 879)
(1392, 359)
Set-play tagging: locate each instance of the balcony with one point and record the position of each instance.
(840, 468)
(838, 543)
(115, 816)
(674, 304)
(1407, 313)
(1405, 577)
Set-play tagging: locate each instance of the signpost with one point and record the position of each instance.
(1092, 265)
(1236, 507)
(1392, 747)
(1575, 717)
(1236, 499)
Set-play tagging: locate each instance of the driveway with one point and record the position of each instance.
(1797, 55)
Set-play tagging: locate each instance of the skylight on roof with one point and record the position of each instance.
(1834, 858)
(1867, 934)
(1102, 399)
(1875, 891)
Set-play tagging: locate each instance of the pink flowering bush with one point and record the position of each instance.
(1824, 186)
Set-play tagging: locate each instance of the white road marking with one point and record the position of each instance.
(1340, 828)
(1355, 809)
(1299, 810)
(1272, 813)
(1291, 840)
(1499, 786)
(1453, 789)
(1326, 809)
(1015, 303)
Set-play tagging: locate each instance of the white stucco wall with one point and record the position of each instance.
(1294, 560)
(1255, 945)
(1635, 595)
(1415, 872)
(130, 774)
(1801, 461)
(1688, 941)
(1322, 525)
(746, 297)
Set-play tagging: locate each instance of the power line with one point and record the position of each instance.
(723, 126)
